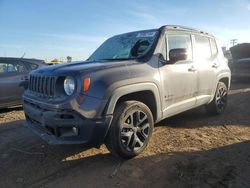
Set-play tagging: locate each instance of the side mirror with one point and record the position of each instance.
(178, 54)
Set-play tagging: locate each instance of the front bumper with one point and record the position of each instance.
(58, 126)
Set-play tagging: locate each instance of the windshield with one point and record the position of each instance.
(126, 46)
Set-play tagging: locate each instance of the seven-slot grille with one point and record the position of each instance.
(42, 85)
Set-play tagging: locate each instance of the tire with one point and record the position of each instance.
(130, 130)
(219, 103)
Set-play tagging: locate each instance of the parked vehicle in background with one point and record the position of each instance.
(14, 79)
(241, 69)
(240, 65)
(131, 82)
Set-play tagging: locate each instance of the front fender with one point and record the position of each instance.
(124, 90)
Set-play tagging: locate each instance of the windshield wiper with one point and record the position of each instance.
(115, 59)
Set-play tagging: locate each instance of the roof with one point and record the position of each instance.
(24, 59)
(184, 28)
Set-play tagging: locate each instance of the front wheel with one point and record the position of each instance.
(130, 130)
(219, 103)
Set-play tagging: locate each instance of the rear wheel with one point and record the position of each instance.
(130, 130)
(219, 103)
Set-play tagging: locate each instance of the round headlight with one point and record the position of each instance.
(69, 85)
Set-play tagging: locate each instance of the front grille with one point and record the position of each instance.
(42, 85)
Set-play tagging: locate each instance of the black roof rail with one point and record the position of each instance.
(184, 28)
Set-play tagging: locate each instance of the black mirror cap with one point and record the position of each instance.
(178, 54)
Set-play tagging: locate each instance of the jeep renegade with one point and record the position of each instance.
(131, 82)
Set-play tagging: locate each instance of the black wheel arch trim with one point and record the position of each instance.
(129, 89)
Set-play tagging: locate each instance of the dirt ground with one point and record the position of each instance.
(188, 150)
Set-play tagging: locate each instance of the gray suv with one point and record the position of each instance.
(131, 82)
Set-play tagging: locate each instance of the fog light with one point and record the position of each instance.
(75, 130)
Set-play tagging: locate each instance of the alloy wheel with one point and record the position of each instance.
(221, 99)
(135, 131)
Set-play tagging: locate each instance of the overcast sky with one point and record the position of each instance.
(57, 28)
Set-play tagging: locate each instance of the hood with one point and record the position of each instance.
(81, 67)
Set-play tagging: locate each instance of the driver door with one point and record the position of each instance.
(179, 78)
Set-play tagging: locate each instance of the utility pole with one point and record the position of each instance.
(234, 42)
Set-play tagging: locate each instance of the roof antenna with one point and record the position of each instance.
(23, 55)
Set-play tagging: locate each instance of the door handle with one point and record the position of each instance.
(192, 69)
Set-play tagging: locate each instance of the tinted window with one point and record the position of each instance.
(180, 41)
(203, 50)
(213, 47)
(11, 67)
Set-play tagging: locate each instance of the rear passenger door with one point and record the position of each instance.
(180, 78)
(205, 56)
(13, 77)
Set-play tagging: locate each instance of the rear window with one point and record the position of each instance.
(214, 48)
(202, 47)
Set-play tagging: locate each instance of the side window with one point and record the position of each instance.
(20, 67)
(33, 66)
(3, 68)
(213, 47)
(203, 50)
(180, 41)
(11, 68)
